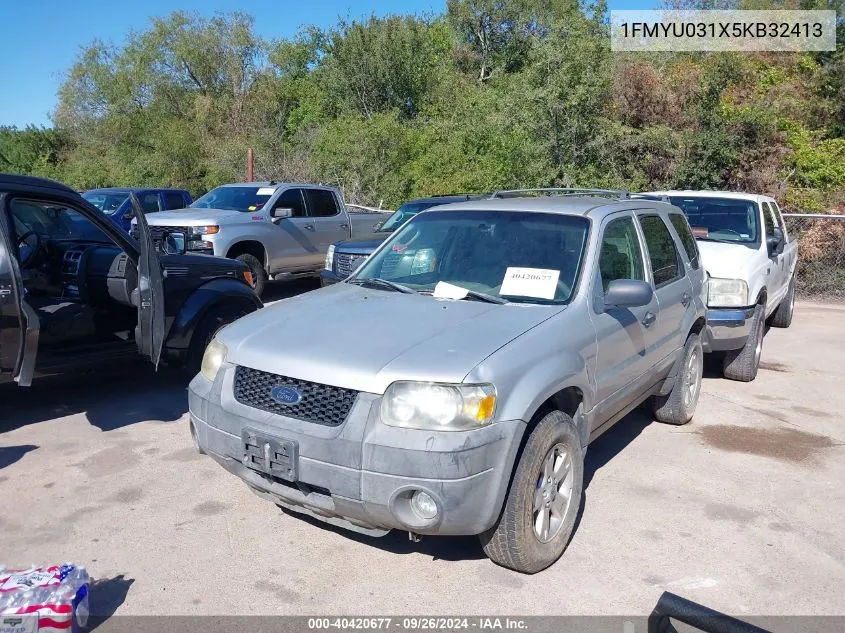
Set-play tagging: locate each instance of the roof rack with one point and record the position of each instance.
(651, 196)
(455, 195)
(563, 191)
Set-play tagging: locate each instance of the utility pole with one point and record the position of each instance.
(250, 164)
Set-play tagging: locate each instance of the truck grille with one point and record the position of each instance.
(320, 404)
(158, 234)
(347, 263)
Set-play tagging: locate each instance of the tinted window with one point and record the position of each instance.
(479, 250)
(238, 198)
(149, 202)
(406, 212)
(174, 200)
(292, 199)
(620, 256)
(720, 219)
(661, 249)
(322, 203)
(105, 202)
(683, 230)
(768, 219)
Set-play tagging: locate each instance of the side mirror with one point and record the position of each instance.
(282, 212)
(775, 242)
(628, 293)
(377, 226)
(174, 243)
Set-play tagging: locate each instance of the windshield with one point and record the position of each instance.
(405, 213)
(720, 219)
(240, 198)
(106, 202)
(523, 257)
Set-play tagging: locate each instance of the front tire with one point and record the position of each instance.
(256, 269)
(783, 315)
(742, 364)
(678, 406)
(543, 501)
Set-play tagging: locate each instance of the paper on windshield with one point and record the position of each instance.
(540, 283)
(444, 290)
(265, 191)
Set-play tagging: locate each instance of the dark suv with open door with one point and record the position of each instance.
(76, 291)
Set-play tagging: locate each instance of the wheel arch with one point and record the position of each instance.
(252, 247)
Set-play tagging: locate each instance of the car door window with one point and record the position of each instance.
(150, 202)
(620, 256)
(292, 199)
(661, 250)
(174, 200)
(768, 219)
(322, 203)
(681, 225)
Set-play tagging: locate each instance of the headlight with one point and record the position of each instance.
(726, 293)
(196, 231)
(330, 257)
(438, 406)
(214, 357)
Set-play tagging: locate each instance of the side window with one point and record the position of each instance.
(150, 202)
(322, 203)
(174, 200)
(679, 221)
(620, 256)
(292, 199)
(778, 217)
(768, 219)
(661, 250)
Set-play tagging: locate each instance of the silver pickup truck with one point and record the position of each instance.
(276, 229)
(484, 345)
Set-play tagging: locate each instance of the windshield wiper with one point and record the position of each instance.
(382, 283)
(480, 296)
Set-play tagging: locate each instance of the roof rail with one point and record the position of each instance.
(651, 196)
(454, 195)
(563, 191)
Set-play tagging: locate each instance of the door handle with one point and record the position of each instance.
(310, 227)
(344, 226)
(648, 319)
(685, 300)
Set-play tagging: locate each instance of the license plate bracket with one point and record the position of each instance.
(270, 455)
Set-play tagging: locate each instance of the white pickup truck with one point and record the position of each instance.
(750, 262)
(276, 229)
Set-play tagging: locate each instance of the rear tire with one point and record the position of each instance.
(537, 488)
(783, 315)
(211, 323)
(742, 364)
(256, 269)
(678, 406)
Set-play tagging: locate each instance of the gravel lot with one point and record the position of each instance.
(743, 509)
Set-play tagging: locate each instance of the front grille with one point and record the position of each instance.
(347, 263)
(320, 404)
(159, 233)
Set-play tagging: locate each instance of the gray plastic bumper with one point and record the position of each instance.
(362, 473)
(727, 328)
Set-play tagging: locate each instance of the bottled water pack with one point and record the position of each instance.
(46, 599)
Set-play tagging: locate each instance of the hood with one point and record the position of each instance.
(365, 339)
(363, 243)
(197, 217)
(724, 260)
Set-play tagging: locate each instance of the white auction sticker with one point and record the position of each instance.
(265, 191)
(530, 282)
(445, 290)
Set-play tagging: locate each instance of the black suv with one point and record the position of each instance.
(344, 257)
(77, 291)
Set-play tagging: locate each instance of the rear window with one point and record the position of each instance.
(106, 202)
(682, 227)
(243, 198)
(322, 203)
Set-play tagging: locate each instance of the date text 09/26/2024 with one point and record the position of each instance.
(417, 623)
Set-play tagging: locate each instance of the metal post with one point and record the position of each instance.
(250, 163)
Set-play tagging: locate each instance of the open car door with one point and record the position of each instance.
(150, 334)
(19, 325)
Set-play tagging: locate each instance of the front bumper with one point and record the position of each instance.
(727, 328)
(329, 277)
(361, 474)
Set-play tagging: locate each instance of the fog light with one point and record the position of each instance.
(424, 505)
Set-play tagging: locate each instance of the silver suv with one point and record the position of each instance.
(482, 347)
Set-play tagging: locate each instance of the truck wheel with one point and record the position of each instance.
(678, 406)
(783, 315)
(256, 268)
(208, 327)
(741, 364)
(545, 493)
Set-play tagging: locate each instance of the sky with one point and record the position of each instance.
(42, 38)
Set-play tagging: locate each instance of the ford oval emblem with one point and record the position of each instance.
(285, 395)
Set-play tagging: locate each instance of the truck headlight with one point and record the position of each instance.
(330, 257)
(438, 406)
(214, 357)
(197, 231)
(726, 293)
